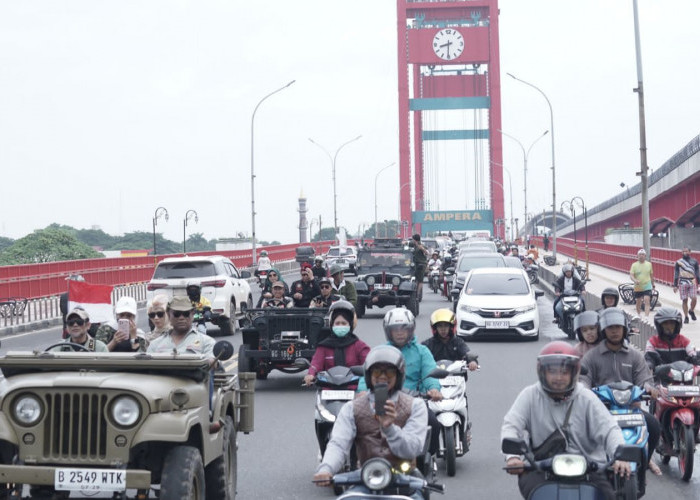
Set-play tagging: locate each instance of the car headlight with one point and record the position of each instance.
(396, 281)
(622, 397)
(370, 280)
(376, 474)
(27, 410)
(126, 411)
(569, 465)
(527, 308)
(468, 308)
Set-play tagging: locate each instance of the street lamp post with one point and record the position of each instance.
(188, 215)
(376, 177)
(525, 157)
(554, 183)
(160, 212)
(252, 166)
(335, 193)
(582, 204)
(510, 189)
(568, 204)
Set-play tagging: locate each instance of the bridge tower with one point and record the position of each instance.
(303, 223)
(448, 62)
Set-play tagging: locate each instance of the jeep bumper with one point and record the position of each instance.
(383, 299)
(45, 475)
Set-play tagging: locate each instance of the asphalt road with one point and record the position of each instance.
(278, 459)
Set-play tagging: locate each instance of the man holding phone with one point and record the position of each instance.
(326, 297)
(305, 289)
(121, 334)
(383, 422)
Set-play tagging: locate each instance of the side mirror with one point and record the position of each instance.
(438, 373)
(515, 446)
(223, 350)
(358, 370)
(245, 274)
(450, 269)
(628, 453)
(538, 294)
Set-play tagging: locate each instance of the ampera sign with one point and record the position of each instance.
(454, 220)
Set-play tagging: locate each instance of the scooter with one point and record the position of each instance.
(532, 271)
(620, 399)
(447, 279)
(380, 481)
(572, 304)
(678, 411)
(453, 413)
(262, 276)
(567, 472)
(435, 278)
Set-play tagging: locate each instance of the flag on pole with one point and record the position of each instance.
(95, 299)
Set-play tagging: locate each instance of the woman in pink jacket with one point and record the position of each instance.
(343, 347)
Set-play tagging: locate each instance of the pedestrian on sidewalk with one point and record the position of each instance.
(545, 242)
(642, 275)
(686, 277)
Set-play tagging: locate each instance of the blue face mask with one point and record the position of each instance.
(341, 330)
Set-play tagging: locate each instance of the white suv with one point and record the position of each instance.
(222, 283)
(343, 256)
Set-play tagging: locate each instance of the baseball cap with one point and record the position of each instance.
(80, 312)
(278, 284)
(125, 305)
(180, 303)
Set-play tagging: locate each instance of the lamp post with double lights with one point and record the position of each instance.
(554, 182)
(582, 205)
(252, 167)
(335, 193)
(376, 177)
(188, 216)
(160, 212)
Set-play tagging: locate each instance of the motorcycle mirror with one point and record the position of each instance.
(450, 269)
(438, 373)
(223, 350)
(628, 453)
(358, 370)
(514, 446)
(583, 370)
(660, 370)
(302, 362)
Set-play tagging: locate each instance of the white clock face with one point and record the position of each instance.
(448, 44)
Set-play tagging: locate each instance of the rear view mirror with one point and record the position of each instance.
(628, 453)
(438, 373)
(358, 370)
(538, 294)
(514, 446)
(245, 274)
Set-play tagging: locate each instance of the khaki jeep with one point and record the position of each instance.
(112, 422)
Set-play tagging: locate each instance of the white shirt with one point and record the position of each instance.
(264, 264)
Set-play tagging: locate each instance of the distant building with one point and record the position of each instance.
(303, 224)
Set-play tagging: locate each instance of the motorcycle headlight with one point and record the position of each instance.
(27, 410)
(622, 397)
(370, 280)
(396, 281)
(569, 465)
(688, 376)
(376, 474)
(677, 375)
(126, 411)
(523, 309)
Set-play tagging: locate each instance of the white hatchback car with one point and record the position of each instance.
(222, 283)
(498, 302)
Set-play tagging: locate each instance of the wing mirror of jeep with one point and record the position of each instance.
(223, 350)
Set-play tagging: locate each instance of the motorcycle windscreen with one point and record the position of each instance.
(566, 491)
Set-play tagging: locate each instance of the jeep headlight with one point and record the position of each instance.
(27, 410)
(396, 281)
(370, 280)
(125, 411)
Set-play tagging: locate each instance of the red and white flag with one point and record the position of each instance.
(95, 299)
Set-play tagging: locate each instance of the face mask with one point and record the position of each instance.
(341, 330)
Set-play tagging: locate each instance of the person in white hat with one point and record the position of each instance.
(128, 338)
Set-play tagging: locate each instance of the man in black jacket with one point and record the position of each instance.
(305, 289)
(568, 281)
(444, 344)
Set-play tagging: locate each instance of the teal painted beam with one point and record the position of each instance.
(452, 135)
(439, 103)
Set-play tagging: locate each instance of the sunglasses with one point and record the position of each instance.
(158, 314)
(179, 314)
(325, 286)
(272, 274)
(73, 322)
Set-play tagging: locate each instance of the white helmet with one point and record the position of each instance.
(399, 317)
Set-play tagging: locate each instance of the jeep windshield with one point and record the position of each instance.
(189, 269)
(395, 262)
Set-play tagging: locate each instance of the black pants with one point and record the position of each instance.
(528, 481)
(654, 428)
(434, 431)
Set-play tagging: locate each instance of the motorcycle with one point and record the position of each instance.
(620, 399)
(379, 481)
(453, 412)
(572, 304)
(532, 270)
(678, 411)
(434, 279)
(447, 280)
(567, 473)
(262, 276)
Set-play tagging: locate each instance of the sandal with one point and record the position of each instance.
(655, 468)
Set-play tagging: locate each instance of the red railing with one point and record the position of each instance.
(42, 280)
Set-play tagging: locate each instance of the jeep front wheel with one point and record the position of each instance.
(220, 475)
(412, 304)
(360, 309)
(183, 474)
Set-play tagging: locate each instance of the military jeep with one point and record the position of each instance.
(385, 277)
(112, 422)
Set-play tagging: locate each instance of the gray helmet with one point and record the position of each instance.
(610, 292)
(567, 267)
(668, 314)
(398, 317)
(586, 318)
(613, 316)
(385, 354)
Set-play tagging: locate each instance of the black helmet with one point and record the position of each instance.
(389, 355)
(610, 292)
(194, 291)
(586, 318)
(668, 314)
(558, 354)
(345, 309)
(610, 317)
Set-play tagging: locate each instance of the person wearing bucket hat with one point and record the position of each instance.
(326, 297)
(78, 324)
(342, 287)
(342, 347)
(128, 339)
(183, 337)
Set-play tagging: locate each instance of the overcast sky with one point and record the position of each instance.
(110, 109)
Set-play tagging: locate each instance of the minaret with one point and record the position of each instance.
(303, 224)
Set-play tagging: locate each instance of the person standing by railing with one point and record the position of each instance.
(686, 277)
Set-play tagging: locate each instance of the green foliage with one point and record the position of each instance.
(47, 245)
(264, 243)
(198, 243)
(5, 242)
(139, 240)
(328, 234)
(385, 229)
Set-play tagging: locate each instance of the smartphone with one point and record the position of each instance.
(381, 393)
(123, 326)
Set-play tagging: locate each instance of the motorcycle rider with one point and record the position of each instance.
(342, 287)
(202, 306)
(614, 360)
(558, 404)
(566, 282)
(609, 298)
(278, 299)
(668, 345)
(318, 269)
(305, 289)
(444, 344)
(343, 347)
(587, 331)
(398, 435)
(326, 297)
(264, 263)
(420, 254)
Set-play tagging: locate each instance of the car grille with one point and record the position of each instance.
(75, 426)
(491, 313)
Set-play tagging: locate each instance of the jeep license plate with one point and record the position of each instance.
(340, 261)
(379, 286)
(497, 324)
(90, 479)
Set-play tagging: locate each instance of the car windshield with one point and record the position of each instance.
(395, 261)
(469, 263)
(340, 252)
(486, 245)
(496, 284)
(173, 270)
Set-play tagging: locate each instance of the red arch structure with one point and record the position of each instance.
(448, 59)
